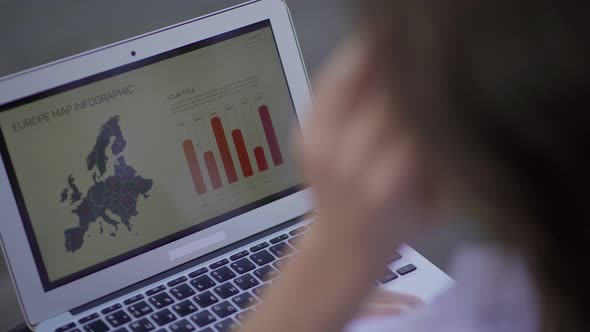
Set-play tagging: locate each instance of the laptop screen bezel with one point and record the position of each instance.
(49, 284)
(38, 302)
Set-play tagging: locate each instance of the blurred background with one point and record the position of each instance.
(37, 32)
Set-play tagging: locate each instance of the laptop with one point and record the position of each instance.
(149, 185)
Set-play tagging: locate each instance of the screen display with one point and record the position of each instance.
(114, 165)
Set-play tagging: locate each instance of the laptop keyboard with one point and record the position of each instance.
(208, 299)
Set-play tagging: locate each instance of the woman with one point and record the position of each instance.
(438, 109)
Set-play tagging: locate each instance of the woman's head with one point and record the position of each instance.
(497, 95)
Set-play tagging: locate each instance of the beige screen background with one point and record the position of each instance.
(172, 101)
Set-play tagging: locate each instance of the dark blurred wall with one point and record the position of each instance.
(37, 32)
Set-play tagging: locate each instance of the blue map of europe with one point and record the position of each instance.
(117, 193)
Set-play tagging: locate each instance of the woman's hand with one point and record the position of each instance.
(384, 303)
(361, 164)
(358, 156)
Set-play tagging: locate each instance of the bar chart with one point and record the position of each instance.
(203, 164)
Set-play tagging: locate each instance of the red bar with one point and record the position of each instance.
(260, 159)
(212, 169)
(271, 136)
(226, 159)
(242, 152)
(193, 165)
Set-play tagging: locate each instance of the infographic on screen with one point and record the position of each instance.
(109, 168)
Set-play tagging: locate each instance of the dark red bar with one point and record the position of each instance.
(226, 159)
(271, 136)
(212, 169)
(260, 159)
(193, 165)
(242, 153)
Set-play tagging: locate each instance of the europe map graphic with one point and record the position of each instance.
(112, 196)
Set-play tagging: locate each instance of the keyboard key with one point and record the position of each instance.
(246, 281)
(280, 264)
(207, 330)
(261, 258)
(266, 273)
(65, 327)
(203, 318)
(239, 255)
(202, 283)
(279, 239)
(182, 326)
(296, 241)
(181, 292)
(96, 326)
(133, 299)
(223, 274)
(223, 309)
(259, 247)
(396, 256)
(227, 325)
(161, 300)
(406, 269)
(258, 291)
(205, 299)
(243, 265)
(243, 315)
(298, 231)
(176, 281)
(142, 325)
(140, 309)
(281, 250)
(110, 309)
(226, 290)
(388, 276)
(245, 300)
(218, 264)
(163, 317)
(184, 308)
(88, 318)
(118, 318)
(198, 272)
(122, 329)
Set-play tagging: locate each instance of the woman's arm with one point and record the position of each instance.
(359, 163)
(321, 288)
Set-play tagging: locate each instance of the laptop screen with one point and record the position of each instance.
(111, 166)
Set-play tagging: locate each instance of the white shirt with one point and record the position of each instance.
(493, 293)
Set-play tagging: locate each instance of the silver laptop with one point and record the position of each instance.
(150, 185)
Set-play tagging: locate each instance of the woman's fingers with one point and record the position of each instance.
(383, 296)
(385, 303)
(338, 89)
(344, 78)
(361, 137)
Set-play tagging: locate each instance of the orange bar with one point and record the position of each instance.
(242, 152)
(193, 165)
(226, 159)
(212, 169)
(260, 159)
